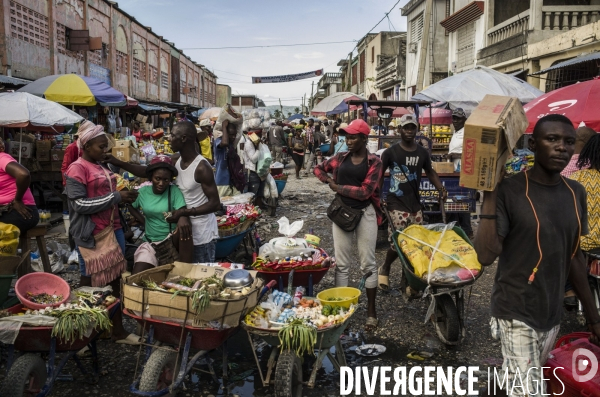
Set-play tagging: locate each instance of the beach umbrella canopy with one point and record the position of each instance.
(579, 102)
(23, 110)
(211, 114)
(335, 104)
(465, 90)
(76, 90)
(296, 116)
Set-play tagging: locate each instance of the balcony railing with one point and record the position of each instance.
(569, 17)
(511, 27)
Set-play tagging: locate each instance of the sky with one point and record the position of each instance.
(241, 23)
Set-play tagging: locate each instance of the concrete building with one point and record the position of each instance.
(390, 80)
(223, 95)
(328, 84)
(427, 44)
(35, 42)
(243, 102)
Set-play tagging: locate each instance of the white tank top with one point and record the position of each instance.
(204, 227)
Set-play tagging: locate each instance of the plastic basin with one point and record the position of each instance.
(226, 245)
(325, 148)
(5, 282)
(349, 296)
(280, 185)
(37, 283)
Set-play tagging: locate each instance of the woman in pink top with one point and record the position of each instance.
(17, 206)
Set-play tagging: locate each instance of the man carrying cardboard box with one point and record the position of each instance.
(538, 247)
(406, 161)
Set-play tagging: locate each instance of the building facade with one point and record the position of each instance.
(244, 102)
(34, 42)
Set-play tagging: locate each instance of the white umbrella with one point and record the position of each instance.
(335, 104)
(465, 90)
(24, 110)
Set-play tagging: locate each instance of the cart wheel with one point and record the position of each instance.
(26, 377)
(446, 321)
(159, 372)
(288, 375)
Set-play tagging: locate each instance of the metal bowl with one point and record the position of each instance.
(238, 279)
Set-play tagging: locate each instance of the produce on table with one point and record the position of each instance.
(318, 260)
(236, 215)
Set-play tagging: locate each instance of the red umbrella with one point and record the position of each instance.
(438, 116)
(579, 102)
(398, 112)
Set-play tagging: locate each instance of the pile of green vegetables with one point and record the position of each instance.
(73, 323)
(298, 335)
(329, 310)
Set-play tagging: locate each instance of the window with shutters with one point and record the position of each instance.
(416, 29)
(465, 51)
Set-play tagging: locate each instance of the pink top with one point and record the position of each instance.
(571, 167)
(94, 179)
(8, 185)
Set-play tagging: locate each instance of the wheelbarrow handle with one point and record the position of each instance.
(387, 215)
(442, 209)
(363, 280)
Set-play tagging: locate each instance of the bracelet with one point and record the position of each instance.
(483, 216)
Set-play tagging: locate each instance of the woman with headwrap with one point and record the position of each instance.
(94, 214)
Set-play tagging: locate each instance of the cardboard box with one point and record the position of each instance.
(491, 132)
(443, 167)
(42, 150)
(25, 148)
(57, 155)
(163, 306)
(141, 118)
(125, 151)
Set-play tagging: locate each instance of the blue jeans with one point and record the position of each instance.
(205, 253)
(119, 234)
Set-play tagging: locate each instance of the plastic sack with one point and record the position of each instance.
(437, 246)
(228, 114)
(270, 190)
(289, 230)
(112, 124)
(264, 161)
(9, 239)
(149, 152)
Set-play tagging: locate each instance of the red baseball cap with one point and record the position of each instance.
(358, 126)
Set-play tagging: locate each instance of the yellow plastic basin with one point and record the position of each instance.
(349, 296)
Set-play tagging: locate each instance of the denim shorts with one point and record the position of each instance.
(205, 253)
(119, 234)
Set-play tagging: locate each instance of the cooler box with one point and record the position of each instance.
(564, 365)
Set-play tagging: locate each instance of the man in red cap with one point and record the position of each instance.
(406, 161)
(355, 178)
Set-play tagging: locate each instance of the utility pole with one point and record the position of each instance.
(312, 86)
(349, 72)
(424, 44)
(281, 108)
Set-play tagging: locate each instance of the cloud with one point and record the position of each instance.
(265, 38)
(309, 55)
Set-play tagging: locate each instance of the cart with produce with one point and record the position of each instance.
(64, 326)
(236, 224)
(298, 326)
(186, 308)
(439, 262)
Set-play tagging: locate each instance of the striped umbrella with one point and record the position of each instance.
(75, 90)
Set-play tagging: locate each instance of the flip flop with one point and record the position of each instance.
(132, 339)
(371, 323)
(384, 282)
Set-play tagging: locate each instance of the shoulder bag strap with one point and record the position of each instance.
(169, 209)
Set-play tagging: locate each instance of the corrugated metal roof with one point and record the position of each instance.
(574, 61)
(468, 13)
(13, 80)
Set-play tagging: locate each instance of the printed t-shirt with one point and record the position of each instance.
(539, 304)
(93, 177)
(8, 184)
(154, 206)
(405, 176)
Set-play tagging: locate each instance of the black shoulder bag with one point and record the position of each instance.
(346, 217)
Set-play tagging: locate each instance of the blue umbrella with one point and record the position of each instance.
(296, 116)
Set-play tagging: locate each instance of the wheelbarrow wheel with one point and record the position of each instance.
(160, 372)
(445, 320)
(26, 377)
(288, 375)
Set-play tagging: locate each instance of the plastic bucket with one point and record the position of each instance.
(280, 185)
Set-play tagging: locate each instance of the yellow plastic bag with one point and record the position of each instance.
(418, 244)
(9, 239)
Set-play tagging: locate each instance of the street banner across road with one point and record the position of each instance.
(287, 77)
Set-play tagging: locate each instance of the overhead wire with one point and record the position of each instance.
(269, 46)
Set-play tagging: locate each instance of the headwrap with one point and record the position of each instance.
(88, 131)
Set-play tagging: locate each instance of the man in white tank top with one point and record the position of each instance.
(196, 181)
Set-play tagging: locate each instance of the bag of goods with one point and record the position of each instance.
(230, 115)
(9, 239)
(264, 161)
(256, 119)
(288, 245)
(437, 247)
(270, 190)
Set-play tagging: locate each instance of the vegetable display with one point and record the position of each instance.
(305, 261)
(44, 298)
(299, 335)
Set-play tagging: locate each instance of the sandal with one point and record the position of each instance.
(132, 339)
(371, 324)
(384, 282)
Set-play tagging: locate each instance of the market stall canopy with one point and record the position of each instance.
(23, 110)
(335, 104)
(211, 114)
(398, 112)
(465, 90)
(76, 90)
(296, 116)
(579, 102)
(436, 116)
(594, 56)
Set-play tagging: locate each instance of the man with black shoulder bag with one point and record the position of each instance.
(406, 161)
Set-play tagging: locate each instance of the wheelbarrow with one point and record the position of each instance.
(30, 374)
(449, 315)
